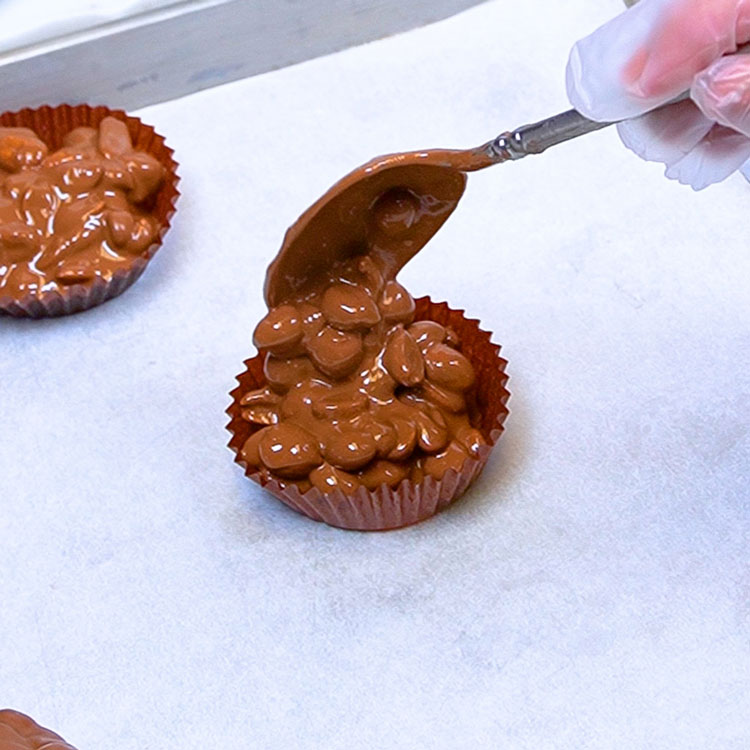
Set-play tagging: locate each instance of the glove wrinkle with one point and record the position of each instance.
(722, 92)
(716, 157)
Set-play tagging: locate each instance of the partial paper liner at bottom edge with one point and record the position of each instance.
(408, 503)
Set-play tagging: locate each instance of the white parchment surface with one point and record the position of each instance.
(592, 589)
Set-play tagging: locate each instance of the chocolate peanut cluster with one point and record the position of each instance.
(358, 393)
(77, 213)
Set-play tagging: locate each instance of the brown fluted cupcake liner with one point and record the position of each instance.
(51, 124)
(409, 502)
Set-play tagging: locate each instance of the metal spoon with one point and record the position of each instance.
(340, 223)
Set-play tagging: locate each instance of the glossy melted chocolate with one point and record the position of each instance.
(358, 393)
(19, 732)
(75, 214)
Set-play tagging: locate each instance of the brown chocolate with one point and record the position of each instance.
(388, 209)
(360, 395)
(19, 732)
(76, 214)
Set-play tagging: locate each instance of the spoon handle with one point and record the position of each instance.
(537, 138)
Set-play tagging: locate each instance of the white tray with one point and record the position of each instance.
(188, 46)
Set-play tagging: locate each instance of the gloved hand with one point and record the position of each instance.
(654, 51)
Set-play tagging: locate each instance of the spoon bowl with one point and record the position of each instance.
(389, 207)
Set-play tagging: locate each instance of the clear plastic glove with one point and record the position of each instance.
(653, 52)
